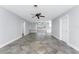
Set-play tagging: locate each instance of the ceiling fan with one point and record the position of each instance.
(38, 15)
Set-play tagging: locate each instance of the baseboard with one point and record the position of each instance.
(12, 41)
(73, 46)
(55, 36)
(67, 43)
(26, 33)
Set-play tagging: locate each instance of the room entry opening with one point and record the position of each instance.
(43, 27)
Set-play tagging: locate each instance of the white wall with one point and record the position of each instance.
(73, 27)
(10, 27)
(56, 28)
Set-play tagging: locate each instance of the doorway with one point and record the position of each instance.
(43, 27)
(23, 29)
(64, 28)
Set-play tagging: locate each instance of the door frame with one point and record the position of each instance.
(67, 28)
(23, 28)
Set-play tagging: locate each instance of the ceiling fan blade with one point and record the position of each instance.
(42, 16)
(38, 17)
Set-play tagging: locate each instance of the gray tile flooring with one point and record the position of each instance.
(38, 44)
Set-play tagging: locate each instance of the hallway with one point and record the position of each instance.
(38, 44)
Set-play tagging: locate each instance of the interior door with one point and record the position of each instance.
(64, 28)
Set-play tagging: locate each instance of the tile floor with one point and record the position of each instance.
(38, 44)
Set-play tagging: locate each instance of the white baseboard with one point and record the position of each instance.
(73, 46)
(11, 41)
(28, 33)
(67, 43)
(55, 36)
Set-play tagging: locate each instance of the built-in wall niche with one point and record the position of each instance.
(43, 27)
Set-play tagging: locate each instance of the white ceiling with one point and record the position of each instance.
(50, 11)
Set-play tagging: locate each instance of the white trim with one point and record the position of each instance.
(73, 46)
(67, 43)
(67, 27)
(56, 36)
(60, 31)
(11, 41)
